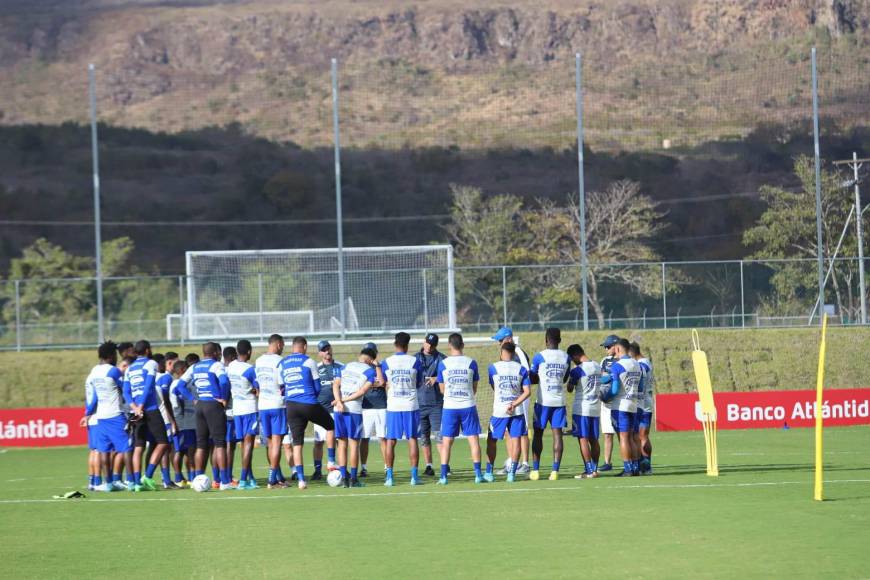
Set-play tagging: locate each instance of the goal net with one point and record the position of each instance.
(253, 293)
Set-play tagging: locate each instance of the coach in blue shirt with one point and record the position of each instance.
(430, 398)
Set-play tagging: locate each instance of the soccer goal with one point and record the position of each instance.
(251, 293)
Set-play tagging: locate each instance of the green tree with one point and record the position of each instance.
(787, 229)
(484, 232)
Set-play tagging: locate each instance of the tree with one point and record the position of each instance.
(620, 222)
(787, 229)
(484, 232)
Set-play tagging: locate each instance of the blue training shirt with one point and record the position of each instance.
(210, 381)
(139, 384)
(300, 378)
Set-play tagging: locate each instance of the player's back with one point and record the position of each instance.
(402, 374)
(209, 377)
(551, 366)
(300, 378)
(269, 380)
(458, 373)
(630, 377)
(183, 410)
(587, 400)
(353, 376)
(507, 379)
(103, 381)
(242, 378)
(140, 373)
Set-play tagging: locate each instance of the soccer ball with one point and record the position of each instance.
(334, 479)
(200, 483)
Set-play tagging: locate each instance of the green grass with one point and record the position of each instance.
(756, 520)
(741, 360)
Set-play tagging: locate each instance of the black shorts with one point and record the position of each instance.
(211, 423)
(430, 425)
(300, 414)
(150, 428)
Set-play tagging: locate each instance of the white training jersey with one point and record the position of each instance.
(353, 377)
(103, 386)
(647, 399)
(243, 379)
(587, 394)
(507, 379)
(628, 371)
(551, 366)
(401, 372)
(269, 379)
(458, 375)
(184, 411)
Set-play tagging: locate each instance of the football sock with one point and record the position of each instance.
(443, 470)
(488, 467)
(273, 476)
(477, 468)
(343, 470)
(353, 473)
(318, 465)
(330, 454)
(164, 473)
(389, 473)
(150, 469)
(215, 474)
(556, 465)
(414, 473)
(98, 480)
(536, 464)
(300, 473)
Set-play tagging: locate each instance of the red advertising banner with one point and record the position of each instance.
(764, 409)
(42, 427)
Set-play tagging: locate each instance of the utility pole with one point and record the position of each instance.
(855, 164)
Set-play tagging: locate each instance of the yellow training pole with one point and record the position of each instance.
(820, 380)
(708, 407)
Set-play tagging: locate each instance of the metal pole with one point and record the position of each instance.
(425, 301)
(339, 234)
(181, 308)
(664, 297)
(260, 303)
(581, 192)
(818, 164)
(18, 315)
(742, 299)
(860, 224)
(504, 295)
(92, 89)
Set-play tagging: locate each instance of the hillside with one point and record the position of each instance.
(222, 110)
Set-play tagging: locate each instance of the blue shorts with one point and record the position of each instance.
(623, 421)
(111, 435)
(515, 426)
(557, 417)
(586, 427)
(644, 419)
(348, 425)
(184, 440)
(453, 419)
(92, 436)
(245, 425)
(403, 424)
(273, 422)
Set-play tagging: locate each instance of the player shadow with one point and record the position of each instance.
(751, 468)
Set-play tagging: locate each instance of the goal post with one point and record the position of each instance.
(387, 289)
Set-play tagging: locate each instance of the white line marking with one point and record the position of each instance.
(235, 497)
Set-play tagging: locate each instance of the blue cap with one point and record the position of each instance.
(371, 346)
(503, 333)
(610, 341)
(323, 345)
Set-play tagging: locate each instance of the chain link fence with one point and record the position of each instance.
(664, 295)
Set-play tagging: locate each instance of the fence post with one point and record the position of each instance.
(665, 298)
(181, 308)
(504, 295)
(260, 302)
(581, 191)
(819, 246)
(95, 160)
(742, 299)
(425, 301)
(18, 315)
(342, 307)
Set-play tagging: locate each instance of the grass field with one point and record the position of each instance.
(756, 520)
(740, 360)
